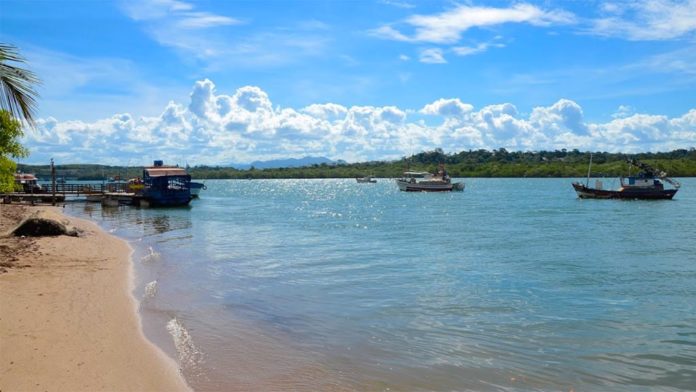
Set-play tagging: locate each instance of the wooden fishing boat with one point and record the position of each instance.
(648, 184)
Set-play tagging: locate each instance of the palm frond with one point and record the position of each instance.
(17, 94)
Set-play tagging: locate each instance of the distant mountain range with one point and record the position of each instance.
(289, 162)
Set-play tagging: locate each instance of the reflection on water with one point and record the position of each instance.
(329, 284)
(141, 220)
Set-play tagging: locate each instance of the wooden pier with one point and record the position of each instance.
(92, 192)
(31, 198)
(84, 189)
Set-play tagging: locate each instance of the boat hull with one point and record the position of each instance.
(429, 186)
(196, 188)
(168, 200)
(585, 192)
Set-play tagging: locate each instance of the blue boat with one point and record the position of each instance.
(166, 186)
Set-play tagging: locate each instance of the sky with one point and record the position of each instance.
(222, 82)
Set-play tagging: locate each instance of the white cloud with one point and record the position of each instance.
(204, 20)
(478, 48)
(388, 32)
(447, 27)
(432, 56)
(646, 20)
(563, 116)
(215, 41)
(623, 111)
(398, 4)
(447, 107)
(327, 111)
(179, 13)
(216, 128)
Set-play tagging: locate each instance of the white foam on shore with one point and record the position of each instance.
(189, 355)
(151, 289)
(151, 256)
(169, 362)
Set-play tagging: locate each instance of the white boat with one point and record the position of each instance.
(368, 179)
(28, 183)
(413, 181)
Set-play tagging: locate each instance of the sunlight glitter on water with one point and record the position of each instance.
(512, 284)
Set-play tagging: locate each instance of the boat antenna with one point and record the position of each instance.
(588, 170)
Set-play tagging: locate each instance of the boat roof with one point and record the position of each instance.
(161, 171)
(416, 174)
(24, 176)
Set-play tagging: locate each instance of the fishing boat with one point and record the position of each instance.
(648, 184)
(166, 186)
(196, 188)
(413, 181)
(364, 180)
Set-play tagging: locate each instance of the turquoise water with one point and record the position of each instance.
(513, 284)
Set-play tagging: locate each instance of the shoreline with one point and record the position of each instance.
(68, 316)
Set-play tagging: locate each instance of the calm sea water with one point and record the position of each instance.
(513, 284)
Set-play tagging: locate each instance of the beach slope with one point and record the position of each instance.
(68, 321)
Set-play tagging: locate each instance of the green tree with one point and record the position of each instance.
(10, 132)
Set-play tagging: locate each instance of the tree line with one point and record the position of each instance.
(471, 163)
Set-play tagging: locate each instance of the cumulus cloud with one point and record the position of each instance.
(447, 107)
(216, 128)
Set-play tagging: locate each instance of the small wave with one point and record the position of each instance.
(151, 289)
(151, 255)
(189, 355)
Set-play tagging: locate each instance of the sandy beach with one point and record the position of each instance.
(68, 321)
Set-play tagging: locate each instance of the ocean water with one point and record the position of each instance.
(511, 285)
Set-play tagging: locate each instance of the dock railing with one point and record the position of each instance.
(84, 188)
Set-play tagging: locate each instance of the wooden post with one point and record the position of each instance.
(53, 183)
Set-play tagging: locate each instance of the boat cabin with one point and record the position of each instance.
(641, 182)
(414, 174)
(27, 183)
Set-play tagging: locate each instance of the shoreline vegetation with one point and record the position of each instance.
(68, 320)
(473, 163)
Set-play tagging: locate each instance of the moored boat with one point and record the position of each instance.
(27, 183)
(367, 179)
(646, 185)
(413, 181)
(166, 186)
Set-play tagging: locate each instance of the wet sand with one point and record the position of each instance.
(68, 321)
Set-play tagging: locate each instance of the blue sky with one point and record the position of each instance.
(233, 81)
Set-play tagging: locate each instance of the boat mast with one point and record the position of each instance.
(588, 171)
